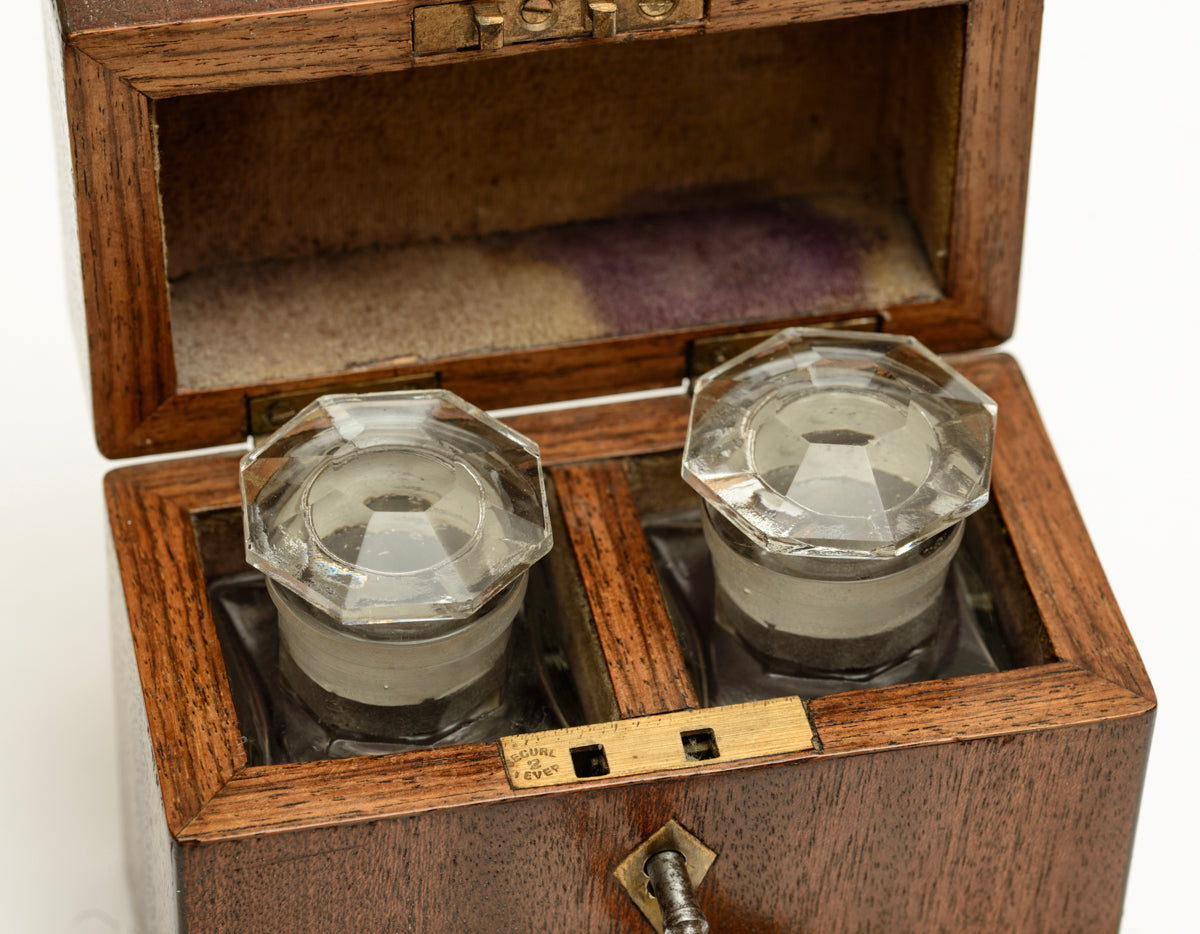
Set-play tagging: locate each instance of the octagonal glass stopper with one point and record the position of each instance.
(839, 443)
(835, 469)
(394, 508)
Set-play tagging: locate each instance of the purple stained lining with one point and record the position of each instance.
(713, 265)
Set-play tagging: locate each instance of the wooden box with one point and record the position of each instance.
(278, 198)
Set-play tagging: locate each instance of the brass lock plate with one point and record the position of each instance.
(660, 743)
(451, 27)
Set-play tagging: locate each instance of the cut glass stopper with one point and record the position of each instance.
(839, 444)
(395, 508)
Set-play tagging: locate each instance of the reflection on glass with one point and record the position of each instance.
(532, 690)
(729, 670)
(396, 532)
(835, 470)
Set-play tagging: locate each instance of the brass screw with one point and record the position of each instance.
(281, 412)
(656, 9)
(537, 14)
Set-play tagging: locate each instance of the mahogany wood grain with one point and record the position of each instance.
(1077, 605)
(166, 48)
(124, 277)
(636, 634)
(987, 540)
(335, 791)
(271, 47)
(197, 743)
(981, 835)
(494, 380)
(207, 46)
(946, 326)
(753, 14)
(319, 794)
(82, 15)
(190, 485)
(1006, 703)
(79, 16)
(991, 802)
(590, 432)
(996, 126)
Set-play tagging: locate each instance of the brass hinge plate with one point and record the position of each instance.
(709, 352)
(659, 743)
(267, 414)
(491, 25)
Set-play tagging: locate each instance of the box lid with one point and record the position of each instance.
(283, 197)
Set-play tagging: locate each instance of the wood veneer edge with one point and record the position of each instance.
(125, 287)
(590, 432)
(184, 482)
(225, 53)
(1021, 700)
(995, 136)
(1079, 610)
(978, 707)
(189, 50)
(212, 417)
(637, 638)
(193, 726)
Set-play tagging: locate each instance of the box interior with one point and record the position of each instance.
(576, 193)
(557, 617)
(1012, 625)
(559, 600)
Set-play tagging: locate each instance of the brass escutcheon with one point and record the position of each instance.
(631, 873)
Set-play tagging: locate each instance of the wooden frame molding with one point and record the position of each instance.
(636, 635)
(229, 52)
(200, 46)
(113, 75)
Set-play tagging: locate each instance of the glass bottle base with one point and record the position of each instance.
(728, 670)
(280, 709)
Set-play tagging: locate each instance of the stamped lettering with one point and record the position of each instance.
(534, 763)
(706, 738)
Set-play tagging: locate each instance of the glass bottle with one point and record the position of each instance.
(835, 470)
(396, 532)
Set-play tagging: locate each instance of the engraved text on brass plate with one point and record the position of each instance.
(664, 742)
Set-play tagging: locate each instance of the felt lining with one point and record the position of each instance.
(291, 318)
(571, 194)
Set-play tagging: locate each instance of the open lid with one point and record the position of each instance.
(280, 199)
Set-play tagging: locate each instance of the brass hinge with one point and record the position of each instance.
(267, 414)
(706, 353)
(493, 24)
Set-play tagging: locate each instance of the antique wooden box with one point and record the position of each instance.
(536, 202)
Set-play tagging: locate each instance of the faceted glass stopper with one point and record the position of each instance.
(839, 443)
(400, 506)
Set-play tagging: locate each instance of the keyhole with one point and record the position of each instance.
(537, 15)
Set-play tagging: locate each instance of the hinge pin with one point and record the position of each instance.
(489, 20)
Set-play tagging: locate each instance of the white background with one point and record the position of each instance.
(1106, 334)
